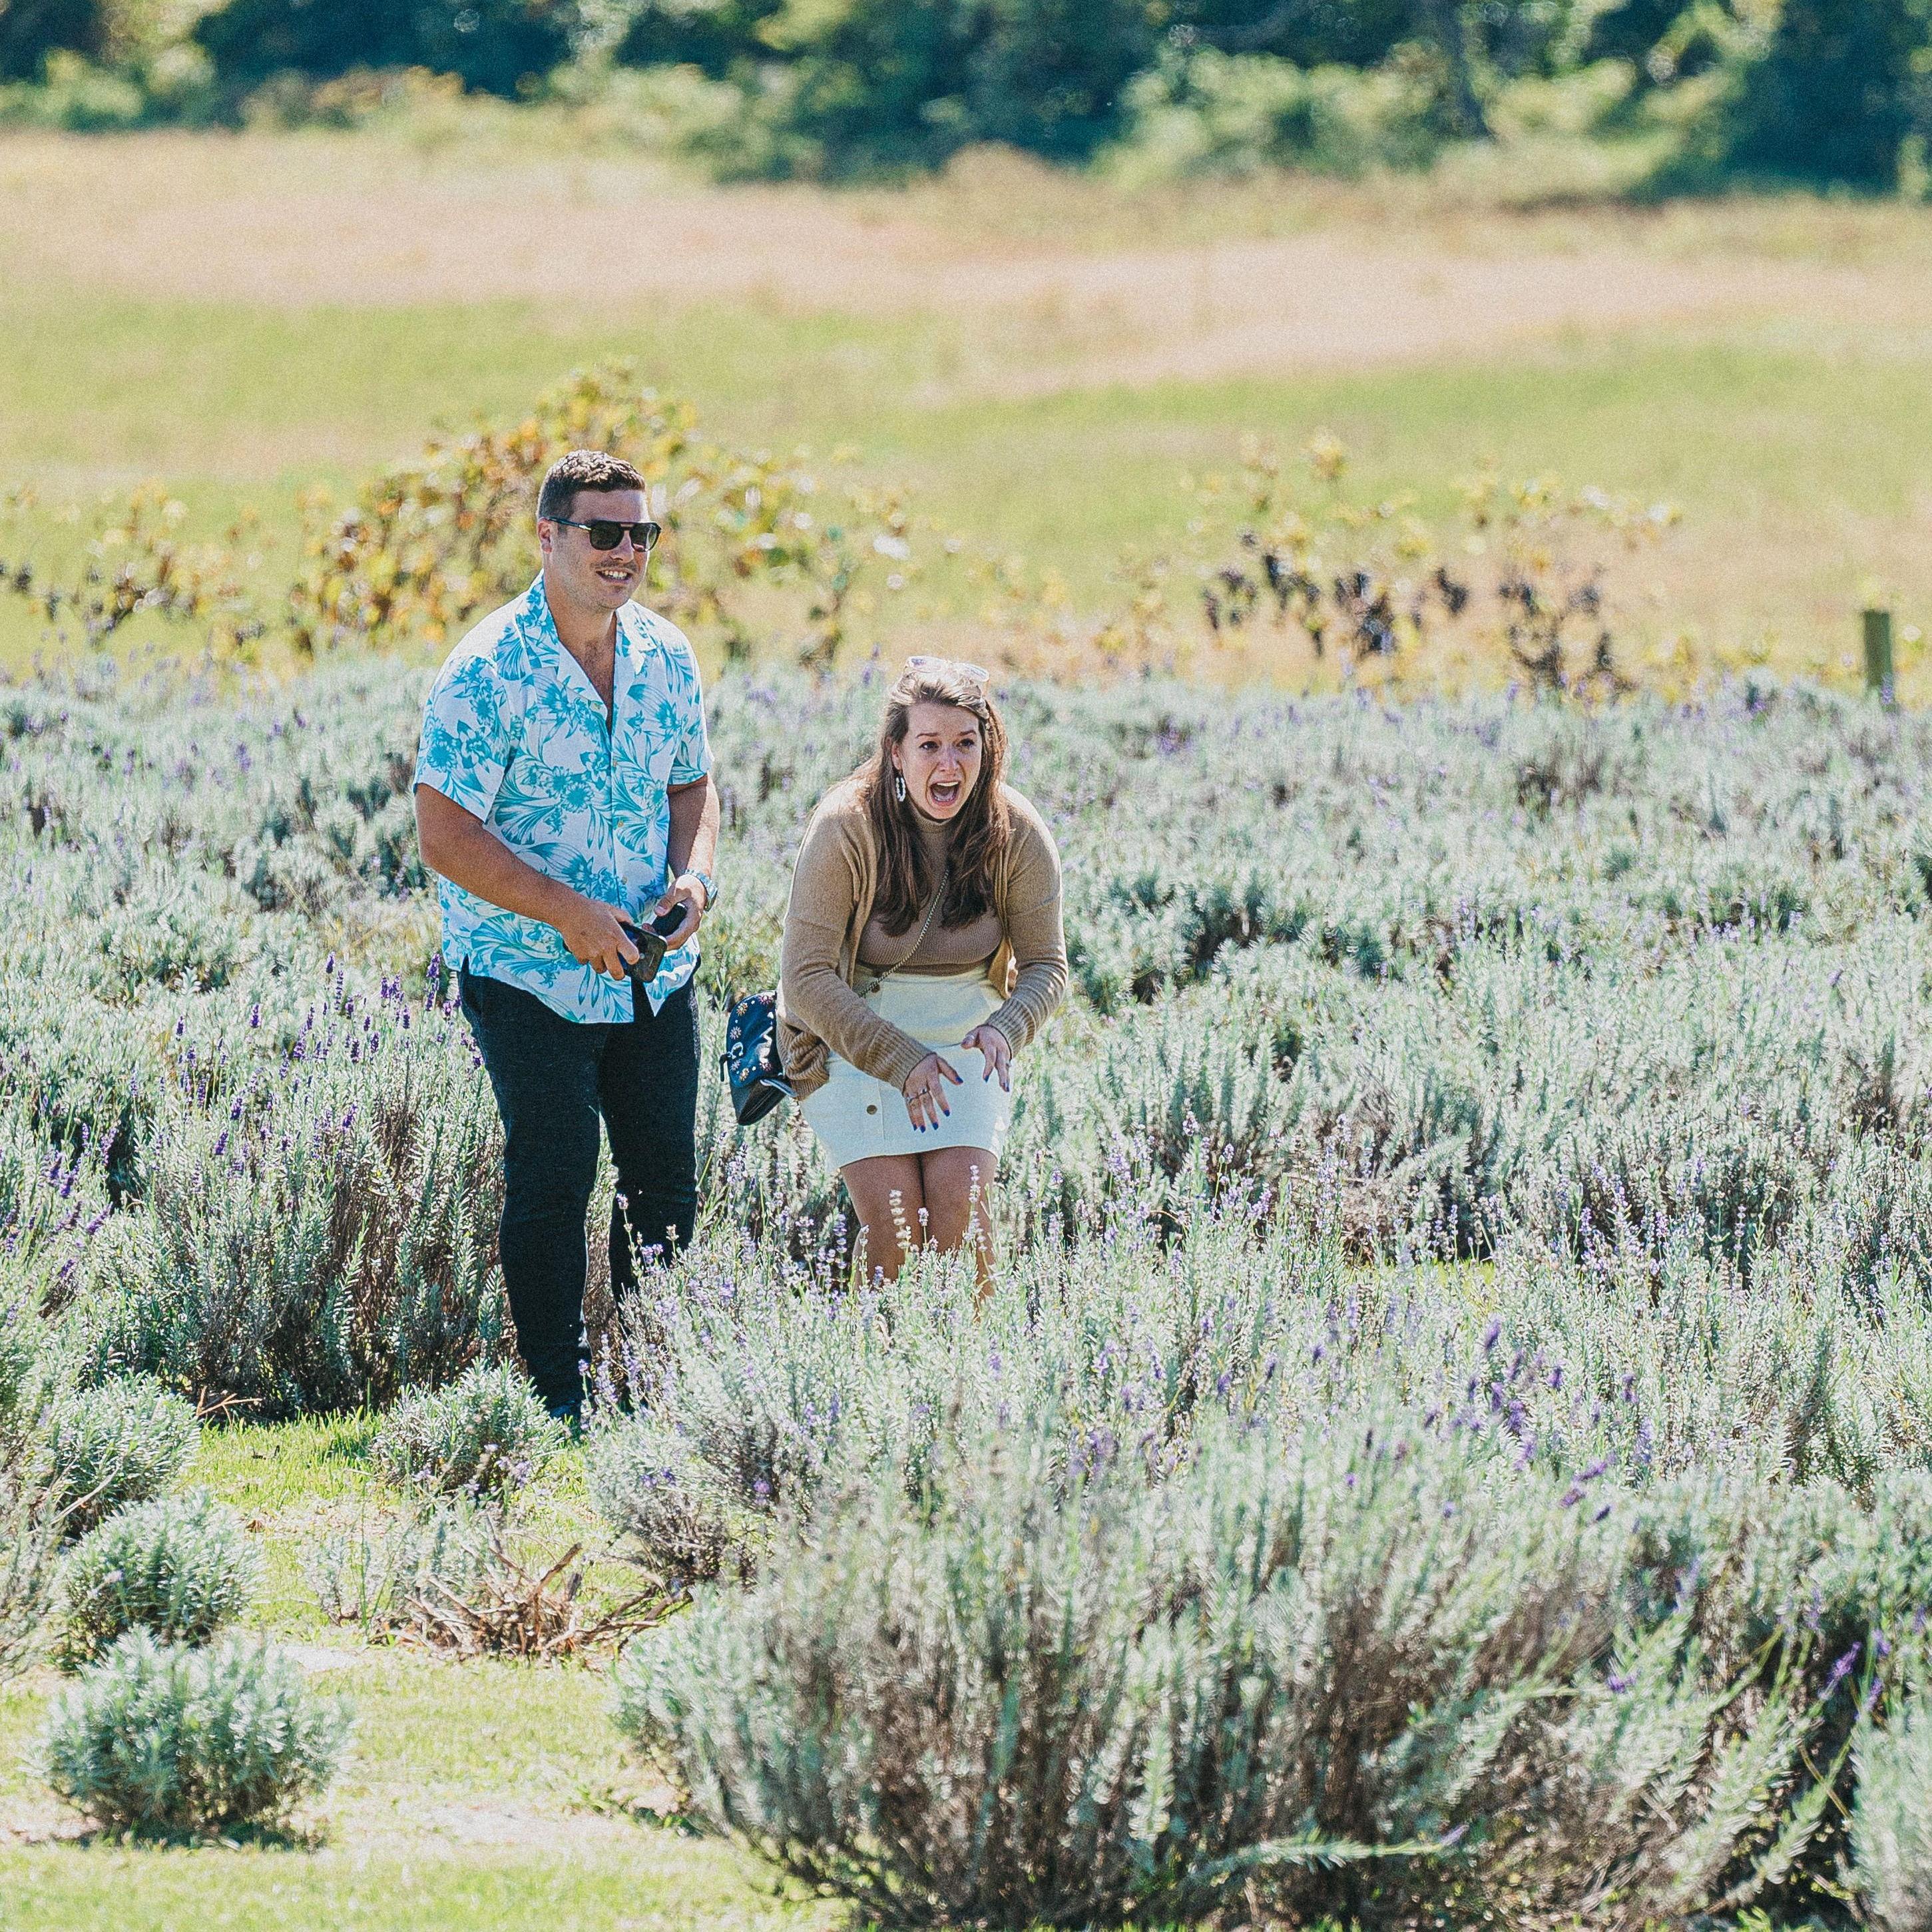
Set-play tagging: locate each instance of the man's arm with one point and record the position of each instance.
(693, 848)
(460, 846)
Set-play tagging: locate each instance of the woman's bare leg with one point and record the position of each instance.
(888, 1195)
(958, 1187)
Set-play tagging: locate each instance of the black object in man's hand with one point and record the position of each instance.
(649, 941)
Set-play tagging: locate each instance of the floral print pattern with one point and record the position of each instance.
(514, 732)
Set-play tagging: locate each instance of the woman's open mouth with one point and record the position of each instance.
(943, 792)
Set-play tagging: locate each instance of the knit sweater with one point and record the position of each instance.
(942, 949)
(832, 887)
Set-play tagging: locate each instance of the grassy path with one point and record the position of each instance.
(483, 1794)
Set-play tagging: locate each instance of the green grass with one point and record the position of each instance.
(477, 1795)
(1794, 445)
(1797, 453)
(675, 1888)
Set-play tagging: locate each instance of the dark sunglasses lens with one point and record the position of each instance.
(608, 535)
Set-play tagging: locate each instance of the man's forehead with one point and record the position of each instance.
(621, 506)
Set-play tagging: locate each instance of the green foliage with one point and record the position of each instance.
(30, 1521)
(124, 1442)
(1825, 90)
(713, 36)
(484, 1433)
(30, 1548)
(872, 85)
(759, 545)
(1618, 1002)
(321, 1241)
(164, 1741)
(1831, 90)
(376, 1571)
(22, 1347)
(1236, 114)
(495, 47)
(1311, 33)
(1891, 1826)
(431, 544)
(1351, 1671)
(1627, 976)
(31, 30)
(181, 1567)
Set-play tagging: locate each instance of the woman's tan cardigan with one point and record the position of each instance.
(831, 891)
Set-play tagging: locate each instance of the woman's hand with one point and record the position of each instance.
(925, 1091)
(996, 1050)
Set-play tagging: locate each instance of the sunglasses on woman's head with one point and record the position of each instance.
(974, 673)
(607, 534)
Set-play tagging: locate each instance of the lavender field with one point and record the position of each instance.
(1453, 1435)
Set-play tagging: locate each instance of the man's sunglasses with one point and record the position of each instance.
(606, 534)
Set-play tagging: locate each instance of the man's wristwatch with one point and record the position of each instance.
(704, 880)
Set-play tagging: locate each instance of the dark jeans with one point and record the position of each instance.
(553, 1078)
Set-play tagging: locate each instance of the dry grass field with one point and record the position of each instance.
(1042, 358)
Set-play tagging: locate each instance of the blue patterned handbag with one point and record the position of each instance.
(750, 1062)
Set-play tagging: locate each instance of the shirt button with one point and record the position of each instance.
(871, 1106)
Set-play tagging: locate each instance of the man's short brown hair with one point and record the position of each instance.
(584, 470)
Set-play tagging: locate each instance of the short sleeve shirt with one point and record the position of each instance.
(515, 734)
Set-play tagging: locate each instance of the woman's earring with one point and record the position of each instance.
(899, 786)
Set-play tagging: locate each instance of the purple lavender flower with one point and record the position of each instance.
(1840, 1670)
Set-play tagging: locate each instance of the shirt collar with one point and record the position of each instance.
(637, 635)
(636, 639)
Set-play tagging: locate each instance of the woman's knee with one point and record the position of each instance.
(889, 1200)
(957, 1185)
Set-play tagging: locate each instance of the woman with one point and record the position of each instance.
(923, 950)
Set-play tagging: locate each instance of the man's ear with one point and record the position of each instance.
(546, 535)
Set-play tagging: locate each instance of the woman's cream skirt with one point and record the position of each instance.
(857, 1116)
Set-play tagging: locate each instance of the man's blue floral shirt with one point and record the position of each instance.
(514, 732)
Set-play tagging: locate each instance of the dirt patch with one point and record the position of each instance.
(286, 222)
(35, 1822)
(318, 1659)
(368, 1825)
(1342, 301)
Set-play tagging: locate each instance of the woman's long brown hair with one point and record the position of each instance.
(977, 833)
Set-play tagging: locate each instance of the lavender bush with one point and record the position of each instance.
(1355, 1670)
(1541, 1093)
(1891, 1831)
(484, 1434)
(124, 1442)
(162, 1740)
(181, 1567)
(1505, 964)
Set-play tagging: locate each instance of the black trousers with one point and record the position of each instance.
(554, 1078)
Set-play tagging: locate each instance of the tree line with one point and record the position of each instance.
(1837, 90)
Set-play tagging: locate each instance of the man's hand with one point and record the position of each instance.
(688, 892)
(590, 930)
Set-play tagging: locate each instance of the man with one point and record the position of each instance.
(562, 785)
